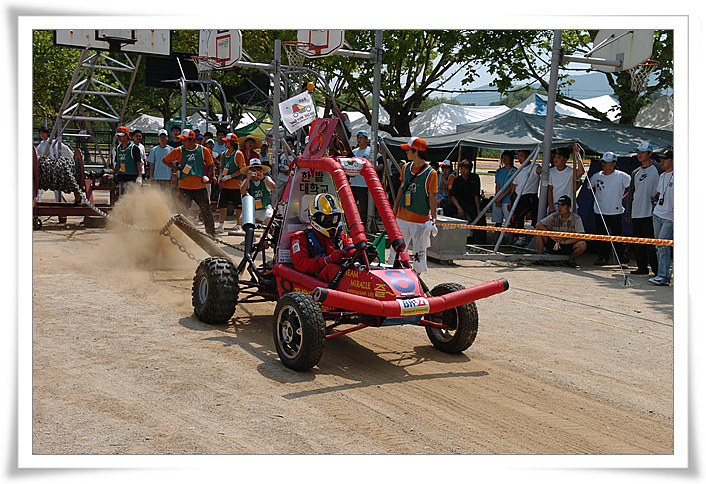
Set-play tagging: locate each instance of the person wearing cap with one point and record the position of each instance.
(562, 220)
(230, 180)
(264, 155)
(609, 190)
(194, 167)
(561, 178)
(128, 161)
(358, 186)
(175, 142)
(640, 203)
(199, 138)
(663, 218)
(415, 204)
(258, 184)
(160, 174)
(446, 179)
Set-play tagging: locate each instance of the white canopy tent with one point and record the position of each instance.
(146, 123)
(443, 118)
(658, 115)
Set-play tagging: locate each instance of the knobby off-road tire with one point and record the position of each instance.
(462, 322)
(299, 331)
(215, 290)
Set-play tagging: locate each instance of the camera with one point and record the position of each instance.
(661, 201)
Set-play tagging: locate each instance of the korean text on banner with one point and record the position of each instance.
(297, 111)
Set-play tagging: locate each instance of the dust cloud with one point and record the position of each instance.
(149, 207)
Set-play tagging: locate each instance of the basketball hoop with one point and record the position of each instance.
(205, 66)
(640, 74)
(295, 51)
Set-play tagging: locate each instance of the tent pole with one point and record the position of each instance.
(376, 57)
(549, 125)
(275, 113)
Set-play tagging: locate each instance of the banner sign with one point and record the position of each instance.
(297, 111)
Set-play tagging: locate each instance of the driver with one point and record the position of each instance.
(319, 250)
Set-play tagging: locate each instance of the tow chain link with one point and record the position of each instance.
(163, 231)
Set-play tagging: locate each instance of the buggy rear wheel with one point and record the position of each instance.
(461, 322)
(215, 290)
(299, 331)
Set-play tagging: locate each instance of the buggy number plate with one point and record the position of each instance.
(413, 307)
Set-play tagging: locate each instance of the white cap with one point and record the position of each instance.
(162, 132)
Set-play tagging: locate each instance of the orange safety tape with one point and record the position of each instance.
(566, 235)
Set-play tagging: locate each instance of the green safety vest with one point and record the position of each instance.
(230, 167)
(192, 162)
(126, 164)
(416, 186)
(260, 193)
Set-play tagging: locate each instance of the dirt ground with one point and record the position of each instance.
(566, 362)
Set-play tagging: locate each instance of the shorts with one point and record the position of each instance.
(564, 249)
(229, 195)
(500, 213)
(264, 214)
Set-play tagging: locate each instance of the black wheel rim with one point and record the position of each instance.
(289, 332)
(450, 319)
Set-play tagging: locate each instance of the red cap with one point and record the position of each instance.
(186, 134)
(415, 144)
(123, 131)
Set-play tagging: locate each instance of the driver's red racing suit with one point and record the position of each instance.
(309, 249)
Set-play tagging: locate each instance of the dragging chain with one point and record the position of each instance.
(163, 231)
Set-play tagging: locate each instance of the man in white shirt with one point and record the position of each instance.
(357, 182)
(641, 200)
(220, 145)
(525, 185)
(561, 179)
(663, 218)
(48, 147)
(608, 187)
(137, 140)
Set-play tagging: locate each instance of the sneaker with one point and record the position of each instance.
(600, 262)
(220, 229)
(238, 229)
(658, 282)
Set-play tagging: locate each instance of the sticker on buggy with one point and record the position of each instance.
(413, 307)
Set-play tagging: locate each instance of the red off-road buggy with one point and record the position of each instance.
(364, 292)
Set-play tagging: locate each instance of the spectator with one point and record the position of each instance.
(137, 140)
(641, 200)
(199, 138)
(193, 164)
(264, 155)
(345, 121)
(561, 179)
(230, 181)
(663, 218)
(48, 148)
(446, 179)
(160, 174)
(415, 205)
(562, 220)
(258, 184)
(207, 136)
(525, 185)
(220, 145)
(320, 249)
(128, 161)
(175, 141)
(357, 182)
(248, 145)
(464, 196)
(502, 175)
(284, 160)
(608, 187)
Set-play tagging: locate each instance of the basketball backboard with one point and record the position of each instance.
(144, 41)
(225, 45)
(326, 41)
(629, 46)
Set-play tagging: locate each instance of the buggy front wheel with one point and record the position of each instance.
(299, 331)
(461, 323)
